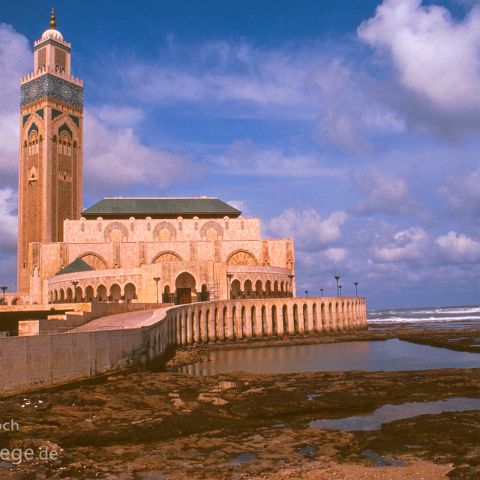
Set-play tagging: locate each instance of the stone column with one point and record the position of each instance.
(229, 323)
(220, 324)
(269, 320)
(212, 330)
(258, 322)
(237, 323)
(333, 319)
(183, 328)
(196, 325)
(203, 325)
(249, 322)
(178, 328)
(190, 327)
(301, 320)
(290, 319)
(280, 328)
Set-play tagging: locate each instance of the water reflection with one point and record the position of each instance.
(391, 413)
(389, 355)
(243, 458)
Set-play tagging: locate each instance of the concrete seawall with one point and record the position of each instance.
(27, 363)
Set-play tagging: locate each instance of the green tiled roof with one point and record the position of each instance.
(202, 207)
(78, 265)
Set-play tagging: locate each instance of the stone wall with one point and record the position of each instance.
(236, 320)
(149, 230)
(27, 363)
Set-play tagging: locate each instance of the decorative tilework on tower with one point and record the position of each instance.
(51, 149)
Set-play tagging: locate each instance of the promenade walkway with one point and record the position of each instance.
(142, 318)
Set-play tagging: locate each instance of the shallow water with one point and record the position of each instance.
(389, 355)
(243, 458)
(391, 413)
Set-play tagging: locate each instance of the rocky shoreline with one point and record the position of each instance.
(148, 425)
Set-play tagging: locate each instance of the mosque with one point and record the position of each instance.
(163, 250)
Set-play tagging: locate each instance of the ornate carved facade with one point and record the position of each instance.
(50, 157)
(126, 256)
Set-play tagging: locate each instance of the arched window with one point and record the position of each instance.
(116, 232)
(235, 289)
(204, 294)
(130, 292)
(94, 260)
(211, 231)
(166, 257)
(32, 176)
(167, 296)
(164, 232)
(242, 257)
(65, 144)
(33, 147)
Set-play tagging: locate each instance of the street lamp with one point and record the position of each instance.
(321, 292)
(340, 290)
(306, 293)
(75, 283)
(337, 278)
(156, 280)
(356, 288)
(4, 289)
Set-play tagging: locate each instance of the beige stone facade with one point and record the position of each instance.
(214, 259)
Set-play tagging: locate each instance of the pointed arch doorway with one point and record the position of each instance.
(185, 288)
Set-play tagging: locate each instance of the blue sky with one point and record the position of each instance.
(351, 126)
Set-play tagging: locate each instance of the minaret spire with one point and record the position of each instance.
(53, 22)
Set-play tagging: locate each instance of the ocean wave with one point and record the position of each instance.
(428, 311)
(419, 320)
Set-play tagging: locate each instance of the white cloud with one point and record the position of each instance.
(434, 55)
(118, 115)
(243, 158)
(406, 245)
(349, 111)
(240, 205)
(236, 72)
(458, 247)
(463, 192)
(15, 61)
(384, 194)
(116, 161)
(308, 228)
(8, 220)
(336, 255)
(311, 82)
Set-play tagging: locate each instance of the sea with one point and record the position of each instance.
(433, 317)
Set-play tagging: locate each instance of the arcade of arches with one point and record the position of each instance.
(184, 290)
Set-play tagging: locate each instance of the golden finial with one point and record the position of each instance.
(53, 22)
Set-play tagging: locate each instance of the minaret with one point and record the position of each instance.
(50, 158)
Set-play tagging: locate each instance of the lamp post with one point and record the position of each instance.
(306, 293)
(4, 289)
(75, 283)
(356, 288)
(337, 278)
(156, 280)
(340, 290)
(321, 292)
